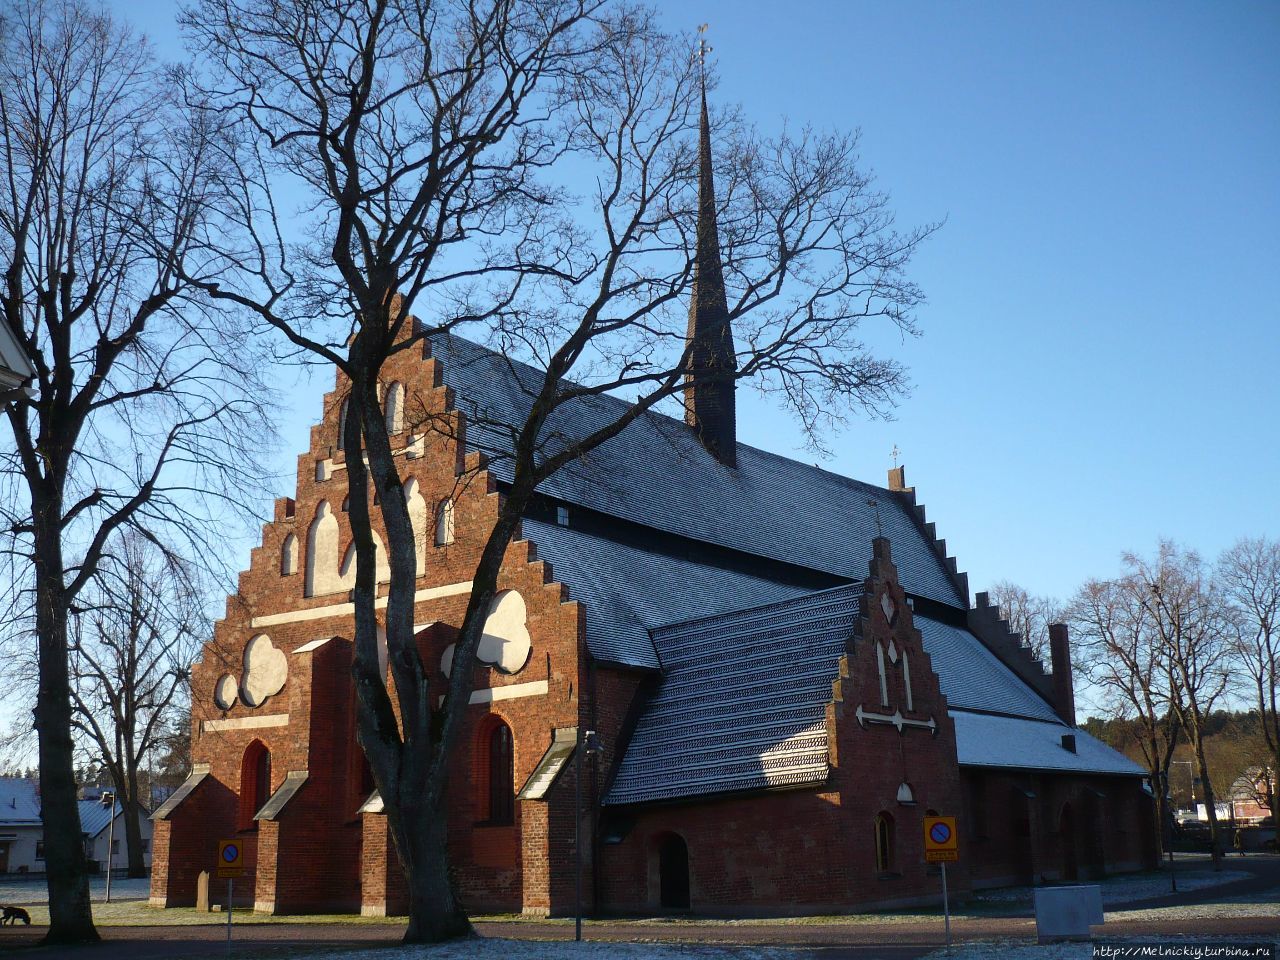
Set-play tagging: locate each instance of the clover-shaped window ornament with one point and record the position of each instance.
(505, 643)
(225, 691)
(265, 670)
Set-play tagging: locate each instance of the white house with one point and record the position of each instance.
(22, 834)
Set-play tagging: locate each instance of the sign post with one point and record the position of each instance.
(941, 847)
(230, 866)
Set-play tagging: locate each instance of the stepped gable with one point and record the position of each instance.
(983, 620)
(743, 702)
(769, 506)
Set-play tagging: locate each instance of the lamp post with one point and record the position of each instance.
(588, 743)
(108, 801)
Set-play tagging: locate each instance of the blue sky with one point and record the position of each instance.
(1098, 364)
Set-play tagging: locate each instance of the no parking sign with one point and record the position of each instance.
(230, 860)
(940, 840)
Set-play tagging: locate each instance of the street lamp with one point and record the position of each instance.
(108, 801)
(589, 744)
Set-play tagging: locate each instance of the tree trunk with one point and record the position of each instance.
(1215, 837)
(132, 816)
(70, 913)
(422, 839)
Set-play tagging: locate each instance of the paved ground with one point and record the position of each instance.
(893, 937)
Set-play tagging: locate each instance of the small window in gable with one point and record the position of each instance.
(394, 407)
(289, 556)
(444, 523)
(342, 425)
(884, 843)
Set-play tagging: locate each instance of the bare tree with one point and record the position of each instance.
(1028, 615)
(528, 171)
(1250, 576)
(1122, 656)
(137, 628)
(1187, 617)
(142, 397)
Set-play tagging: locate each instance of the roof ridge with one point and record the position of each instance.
(656, 415)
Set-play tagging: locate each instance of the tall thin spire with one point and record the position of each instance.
(710, 385)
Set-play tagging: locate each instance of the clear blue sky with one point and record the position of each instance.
(1100, 352)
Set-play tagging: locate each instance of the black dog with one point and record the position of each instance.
(13, 914)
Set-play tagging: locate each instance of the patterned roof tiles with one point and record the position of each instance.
(770, 506)
(743, 701)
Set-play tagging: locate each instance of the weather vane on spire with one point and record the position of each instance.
(895, 454)
(702, 49)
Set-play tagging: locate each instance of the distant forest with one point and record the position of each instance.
(1234, 745)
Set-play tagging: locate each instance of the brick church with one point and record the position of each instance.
(781, 669)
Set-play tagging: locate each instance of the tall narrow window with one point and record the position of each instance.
(289, 556)
(444, 523)
(884, 842)
(394, 407)
(501, 776)
(255, 782)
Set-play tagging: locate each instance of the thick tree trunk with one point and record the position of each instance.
(70, 913)
(435, 913)
(132, 817)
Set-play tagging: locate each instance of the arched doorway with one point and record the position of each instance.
(255, 783)
(1067, 837)
(673, 873)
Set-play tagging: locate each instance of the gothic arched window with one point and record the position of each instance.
(884, 842)
(501, 806)
(255, 782)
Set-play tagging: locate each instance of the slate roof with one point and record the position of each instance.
(19, 802)
(743, 701)
(656, 473)
(94, 818)
(629, 590)
(972, 676)
(984, 740)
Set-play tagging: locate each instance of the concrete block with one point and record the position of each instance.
(1066, 913)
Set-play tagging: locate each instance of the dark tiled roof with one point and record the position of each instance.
(972, 676)
(628, 590)
(657, 474)
(743, 701)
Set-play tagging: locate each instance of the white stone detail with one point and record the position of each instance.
(226, 691)
(322, 552)
(416, 446)
(246, 723)
(887, 606)
(311, 645)
(512, 691)
(347, 572)
(265, 670)
(505, 643)
(394, 407)
(418, 520)
(346, 609)
(905, 793)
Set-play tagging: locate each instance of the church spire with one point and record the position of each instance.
(710, 385)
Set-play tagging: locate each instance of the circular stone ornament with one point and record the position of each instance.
(225, 692)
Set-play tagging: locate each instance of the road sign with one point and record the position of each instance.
(940, 840)
(230, 860)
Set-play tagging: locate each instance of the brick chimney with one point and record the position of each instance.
(1064, 693)
(710, 404)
